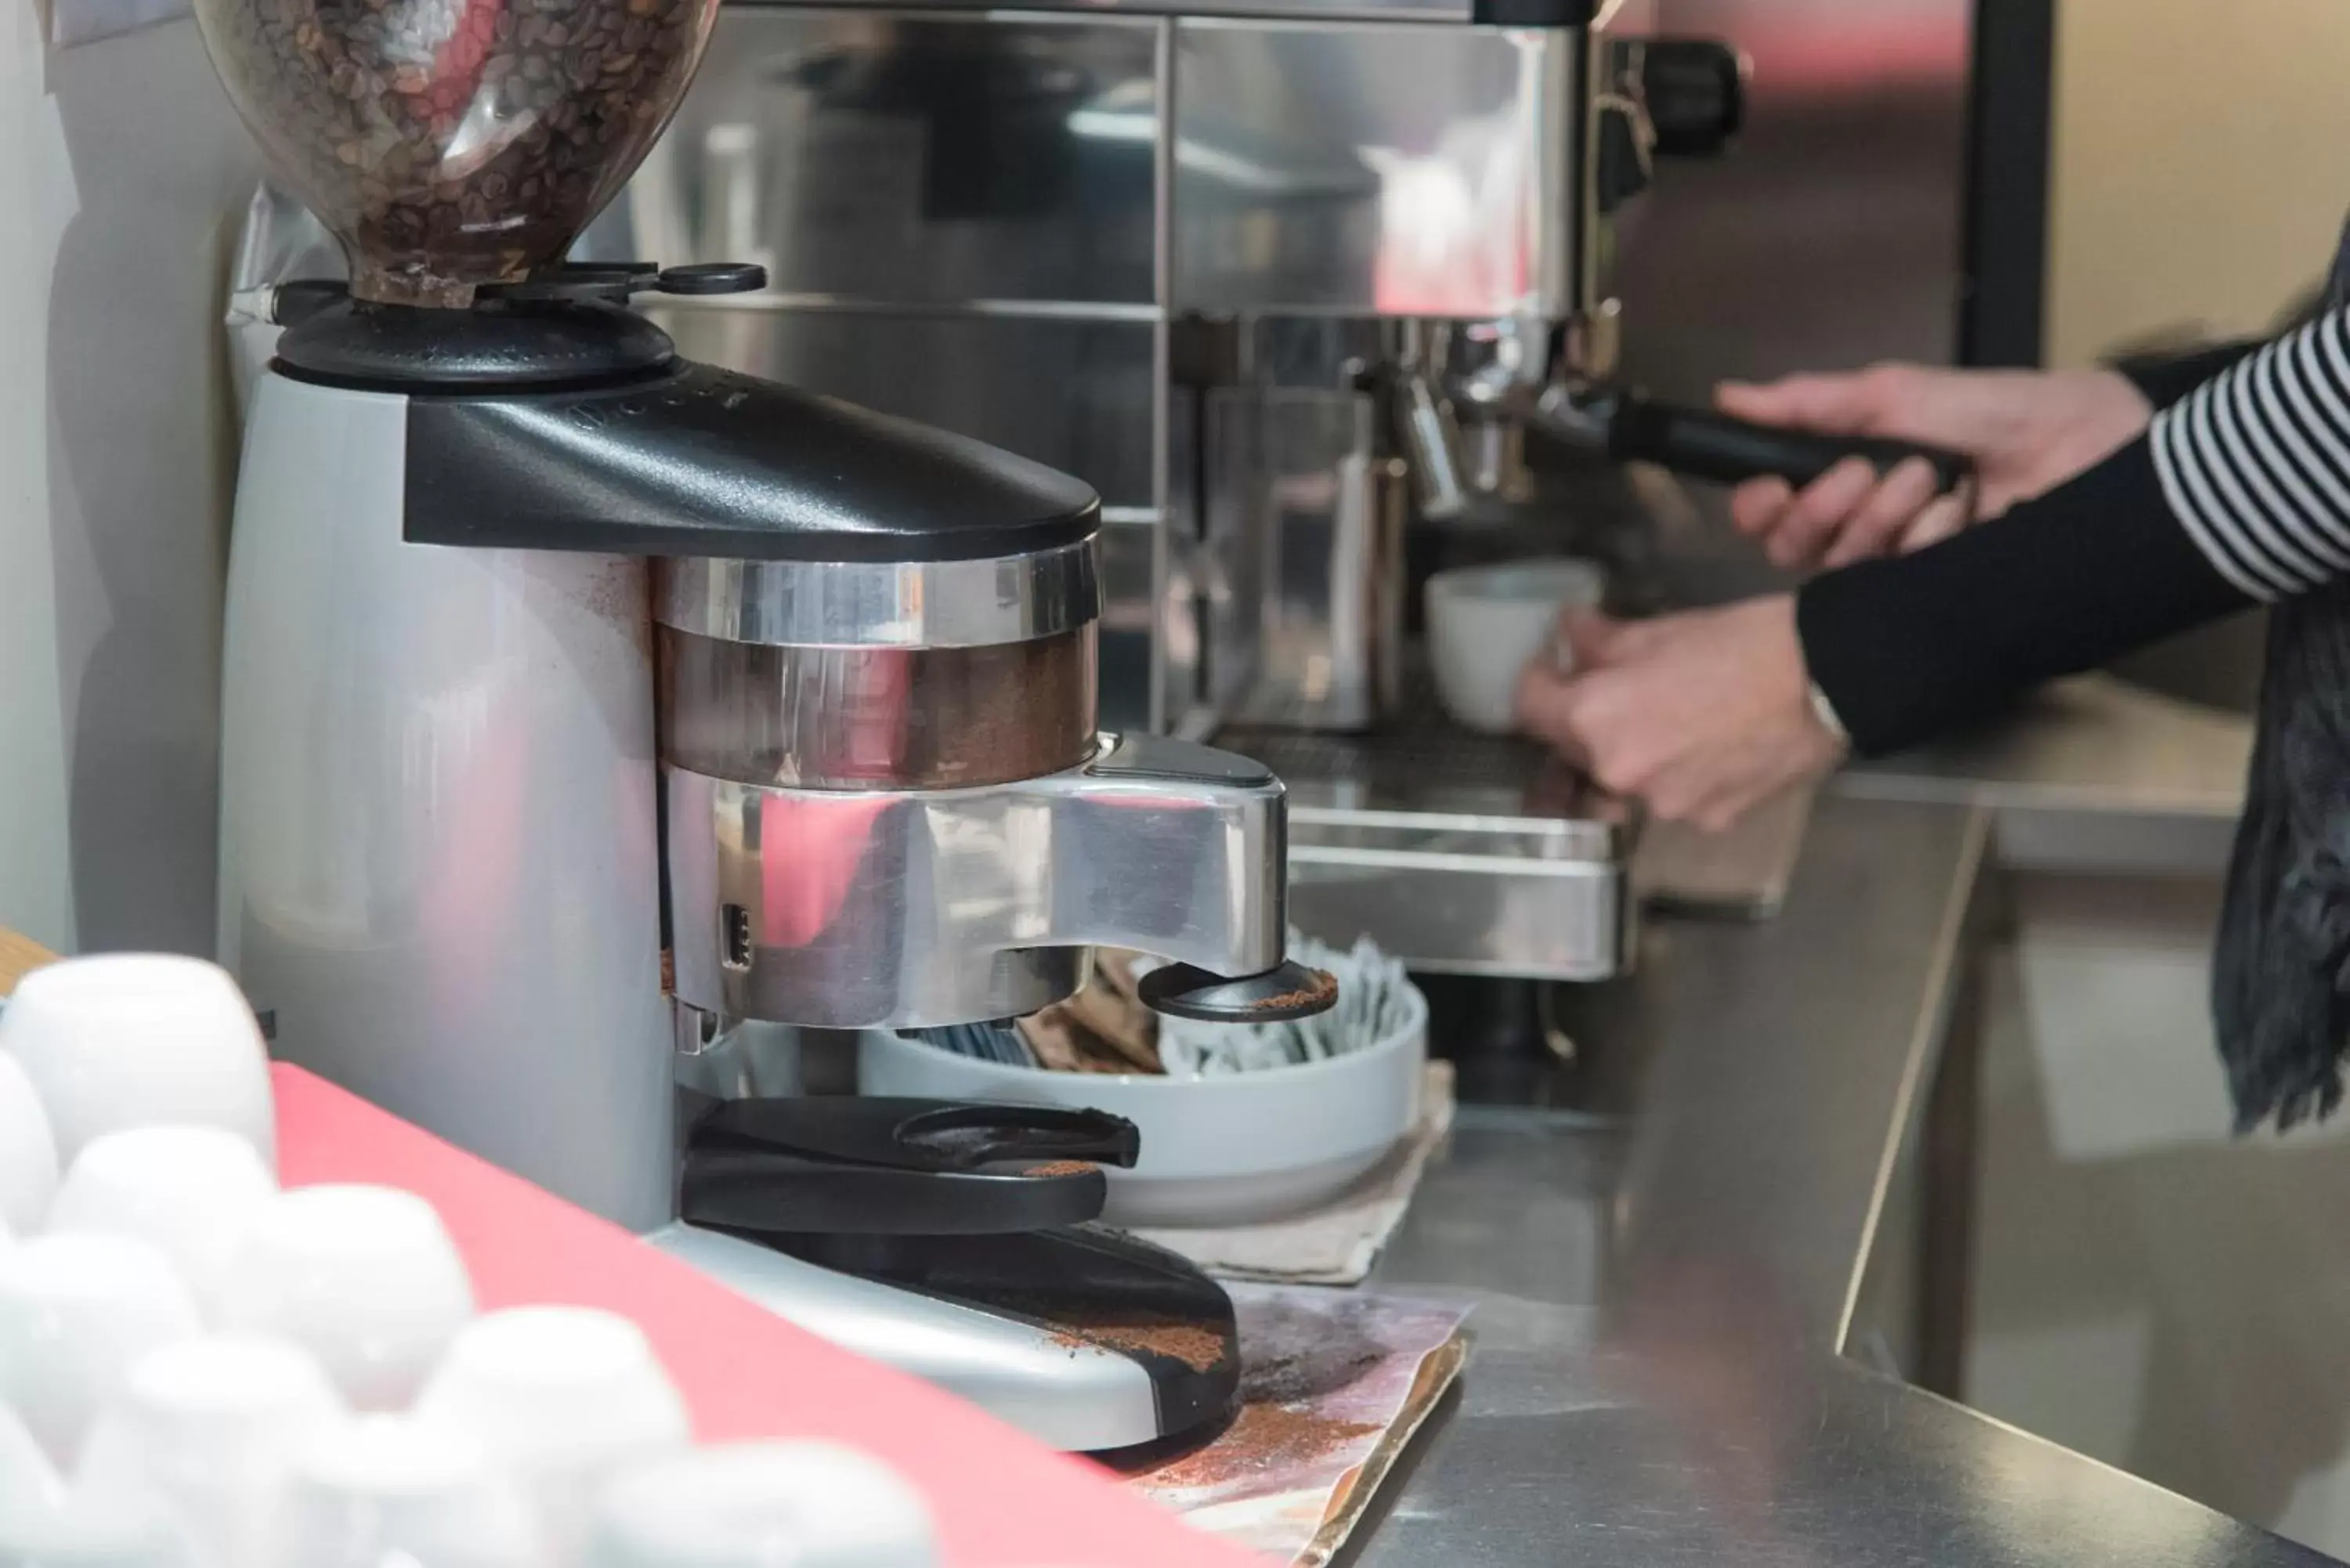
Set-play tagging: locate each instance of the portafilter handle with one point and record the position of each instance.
(1700, 444)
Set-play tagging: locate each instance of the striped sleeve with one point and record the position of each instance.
(2255, 464)
(2164, 379)
(2238, 493)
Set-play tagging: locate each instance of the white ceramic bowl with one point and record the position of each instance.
(131, 1040)
(1215, 1151)
(1486, 624)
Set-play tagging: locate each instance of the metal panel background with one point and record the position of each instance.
(1078, 395)
(1400, 169)
(958, 215)
(916, 158)
(1830, 235)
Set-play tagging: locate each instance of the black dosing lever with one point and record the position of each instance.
(812, 1166)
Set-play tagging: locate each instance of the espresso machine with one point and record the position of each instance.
(583, 703)
(1302, 287)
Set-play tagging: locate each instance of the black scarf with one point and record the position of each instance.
(2281, 978)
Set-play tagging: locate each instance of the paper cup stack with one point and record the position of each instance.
(198, 1370)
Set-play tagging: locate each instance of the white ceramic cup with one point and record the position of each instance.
(192, 1191)
(1486, 624)
(213, 1427)
(390, 1489)
(76, 1312)
(561, 1398)
(748, 1505)
(129, 1039)
(366, 1278)
(80, 1529)
(29, 1151)
(28, 1480)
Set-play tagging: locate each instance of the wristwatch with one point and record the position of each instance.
(1825, 711)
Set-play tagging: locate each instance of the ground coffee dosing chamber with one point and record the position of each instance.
(902, 816)
(445, 764)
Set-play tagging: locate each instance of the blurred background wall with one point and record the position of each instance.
(121, 168)
(2200, 165)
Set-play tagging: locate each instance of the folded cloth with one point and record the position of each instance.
(1340, 1242)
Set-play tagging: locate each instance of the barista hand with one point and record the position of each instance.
(1700, 716)
(2028, 431)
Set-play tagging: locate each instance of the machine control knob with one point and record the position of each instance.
(1695, 91)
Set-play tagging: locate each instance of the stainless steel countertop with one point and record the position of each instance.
(1661, 1302)
(2087, 776)
(2092, 744)
(2090, 776)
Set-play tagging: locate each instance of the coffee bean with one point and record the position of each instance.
(358, 104)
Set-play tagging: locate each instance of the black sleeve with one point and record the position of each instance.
(1904, 648)
(2238, 494)
(2167, 380)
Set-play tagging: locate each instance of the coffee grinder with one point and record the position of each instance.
(581, 700)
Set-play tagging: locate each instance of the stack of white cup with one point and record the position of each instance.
(198, 1370)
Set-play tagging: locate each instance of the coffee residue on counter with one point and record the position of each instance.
(1062, 1167)
(1294, 1379)
(1264, 1439)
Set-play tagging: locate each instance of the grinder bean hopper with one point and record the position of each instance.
(581, 700)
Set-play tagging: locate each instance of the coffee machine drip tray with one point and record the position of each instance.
(1457, 853)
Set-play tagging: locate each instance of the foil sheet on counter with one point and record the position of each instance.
(1334, 1384)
